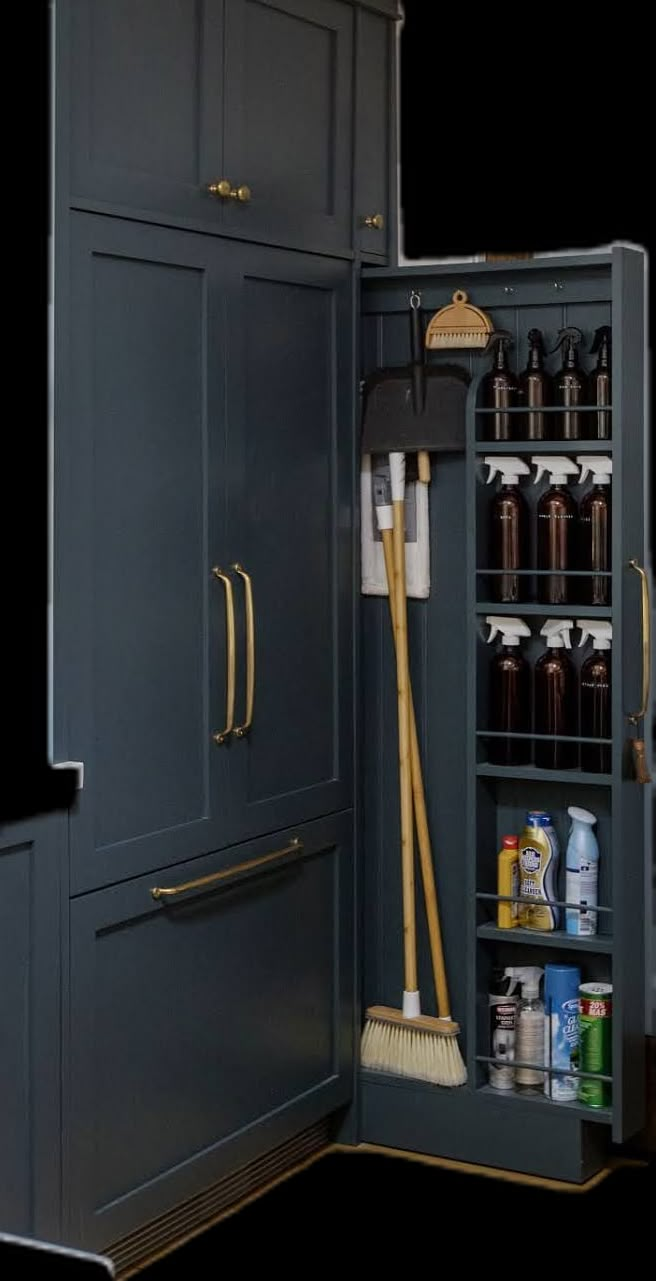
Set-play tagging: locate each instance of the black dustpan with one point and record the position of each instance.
(417, 406)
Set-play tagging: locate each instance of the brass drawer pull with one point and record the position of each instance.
(634, 717)
(241, 730)
(158, 892)
(220, 736)
(225, 191)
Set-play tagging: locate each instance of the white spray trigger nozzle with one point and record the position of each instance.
(510, 628)
(509, 468)
(558, 467)
(600, 632)
(599, 464)
(557, 632)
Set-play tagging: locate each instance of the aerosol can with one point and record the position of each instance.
(503, 1000)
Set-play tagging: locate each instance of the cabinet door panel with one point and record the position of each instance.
(374, 123)
(139, 667)
(288, 96)
(145, 104)
(205, 1030)
(290, 524)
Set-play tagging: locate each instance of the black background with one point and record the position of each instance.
(520, 131)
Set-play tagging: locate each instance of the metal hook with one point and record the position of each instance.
(415, 300)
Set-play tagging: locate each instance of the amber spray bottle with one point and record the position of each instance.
(499, 388)
(535, 391)
(510, 693)
(557, 529)
(599, 385)
(594, 525)
(569, 386)
(556, 702)
(509, 528)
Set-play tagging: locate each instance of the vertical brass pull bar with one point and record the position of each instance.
(635, 717)
(241, 730)
(220, 736)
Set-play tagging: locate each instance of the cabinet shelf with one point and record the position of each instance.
(602, 1116)
(541, 446)
(543, 409)
(546, 611)
(531, 774)
(554, 938)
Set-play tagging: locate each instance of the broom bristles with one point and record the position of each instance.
(402, 1049)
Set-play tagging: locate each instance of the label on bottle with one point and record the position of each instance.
(503, 1014)
(581, 887)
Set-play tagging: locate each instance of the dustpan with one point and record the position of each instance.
(408, 408)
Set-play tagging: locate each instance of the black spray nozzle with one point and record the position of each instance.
(499, 337)
(601, 339)
(570, 337)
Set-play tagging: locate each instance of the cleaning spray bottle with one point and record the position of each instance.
(582, 872)
(510, 693)
(535, 391)
(557, 513)
(499, 387)
(503, 999)
(569, 386)
(529, 1036)
(596, 695)
(594, 528)
(555, 697)
(509, 528)
(539, 855)
(599, 385)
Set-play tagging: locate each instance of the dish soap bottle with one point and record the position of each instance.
(594, 528)
(534, 390)
(569, 386)
(539, 854)
(596, 695)
(499, 389)
(582, 867)
(599, 385)
(529, 1037)
(557, 513)
(555, 697)
(510, 699)
(508, 527)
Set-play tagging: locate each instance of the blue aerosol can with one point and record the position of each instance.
(561, 1029)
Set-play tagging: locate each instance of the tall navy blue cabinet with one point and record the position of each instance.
(187, 952)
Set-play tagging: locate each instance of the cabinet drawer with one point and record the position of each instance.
(208, 1026)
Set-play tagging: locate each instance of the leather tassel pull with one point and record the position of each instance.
(640, 760)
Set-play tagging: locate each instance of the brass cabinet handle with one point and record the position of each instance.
(225, 191)
(375, 221)
(158, 892)
(240, 730)
(220, 736)
(634, 717)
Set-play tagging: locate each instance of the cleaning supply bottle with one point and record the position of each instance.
(561, 1030)
(581, 873)
(510, 693)
(595, 681)
(503, 1000)
(556, 701)
(569, 386)
(599, 385)
(539, 854)
(557, 513)
(594, 550)
(499, 388)
(508, 882)
(529, 1032)
(509, 527)
(534, 391)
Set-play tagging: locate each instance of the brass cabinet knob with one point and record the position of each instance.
(225, 191)
(375, 221)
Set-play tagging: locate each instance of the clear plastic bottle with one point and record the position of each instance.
(529, 1039)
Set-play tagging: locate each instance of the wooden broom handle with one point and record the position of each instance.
(405, 769)
(421, 817)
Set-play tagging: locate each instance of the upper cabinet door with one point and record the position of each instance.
(141, 677)
(290, 528)
(374, 176)
(141, 87)
(288, 121)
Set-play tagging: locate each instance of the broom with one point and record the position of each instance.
(407, 1043)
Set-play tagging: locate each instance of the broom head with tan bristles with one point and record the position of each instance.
(423, 1047)
(459, 324)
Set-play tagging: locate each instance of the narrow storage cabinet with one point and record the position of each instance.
(474, 802)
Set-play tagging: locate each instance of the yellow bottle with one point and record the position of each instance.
(508, 882)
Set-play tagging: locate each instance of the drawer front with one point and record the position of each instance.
(206, 1027)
